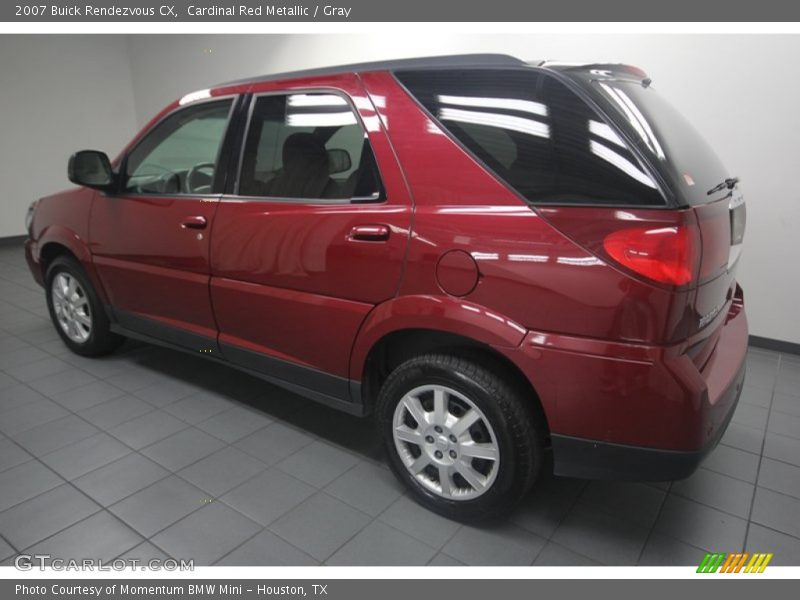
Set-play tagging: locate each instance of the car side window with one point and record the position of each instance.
(309, 146)
(536, 134)
(179, 155)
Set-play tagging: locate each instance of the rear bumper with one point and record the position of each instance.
(592, 459)
(636, 412)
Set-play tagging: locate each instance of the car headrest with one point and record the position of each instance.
(304, 151)
(339, 160)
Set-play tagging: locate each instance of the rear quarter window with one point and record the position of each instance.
(535, 134)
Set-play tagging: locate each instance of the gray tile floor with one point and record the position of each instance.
(153, 453)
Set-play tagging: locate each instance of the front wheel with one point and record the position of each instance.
(76, 310)
(465, 441)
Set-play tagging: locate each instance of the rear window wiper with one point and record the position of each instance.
(729, 183)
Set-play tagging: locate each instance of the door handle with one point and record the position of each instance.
(369, 233)
(194, 223)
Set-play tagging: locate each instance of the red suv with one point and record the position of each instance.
(510, 264)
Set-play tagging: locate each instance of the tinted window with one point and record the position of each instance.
(307, 146)
(179, 155)
(536, 134)
(667, 138)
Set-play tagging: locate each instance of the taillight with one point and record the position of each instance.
(667, 255)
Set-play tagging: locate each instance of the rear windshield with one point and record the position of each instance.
(667, 138)
(535, 134)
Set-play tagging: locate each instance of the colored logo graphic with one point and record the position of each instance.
(735, 563)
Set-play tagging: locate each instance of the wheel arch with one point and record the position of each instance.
(445, 314)
(400, 345)
(52, 250)
(61, 242)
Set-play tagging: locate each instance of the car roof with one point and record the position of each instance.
(430, 62)
(457, 61)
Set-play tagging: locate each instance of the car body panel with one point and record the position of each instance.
(62, 219)
(637, 395)
(440, 313)
(149, 264)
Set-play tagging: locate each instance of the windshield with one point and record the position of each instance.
(671, 143)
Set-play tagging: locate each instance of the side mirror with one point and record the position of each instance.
(339, 161)
(91, 168)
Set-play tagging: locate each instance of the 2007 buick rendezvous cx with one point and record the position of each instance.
(502, 260)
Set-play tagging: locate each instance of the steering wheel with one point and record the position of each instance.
(199, 178)
(166, 183)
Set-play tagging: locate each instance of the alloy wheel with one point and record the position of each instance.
(71, 307)
(446, 442)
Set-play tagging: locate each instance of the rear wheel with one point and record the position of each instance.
(464, 440)
(76, 310)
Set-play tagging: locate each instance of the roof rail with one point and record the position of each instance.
(430, 62)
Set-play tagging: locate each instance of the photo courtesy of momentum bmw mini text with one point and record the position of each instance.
(124, 589)
(335, 300)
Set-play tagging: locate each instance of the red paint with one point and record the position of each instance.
(310, 329)
(149, 263)
(437, 312)
(631, 394)
(612, 355)
(62, 220)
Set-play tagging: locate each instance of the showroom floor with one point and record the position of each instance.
(153, 453)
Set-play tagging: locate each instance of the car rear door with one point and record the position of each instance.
(150, 240)
(311, 236)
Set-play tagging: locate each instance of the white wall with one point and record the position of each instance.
(739, 90)
(58, 94)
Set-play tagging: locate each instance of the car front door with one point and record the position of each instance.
(311, 238)
(150, 240)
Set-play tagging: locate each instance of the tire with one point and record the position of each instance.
(94, 339)
(509, 428)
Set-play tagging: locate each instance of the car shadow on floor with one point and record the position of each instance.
(352, 433)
